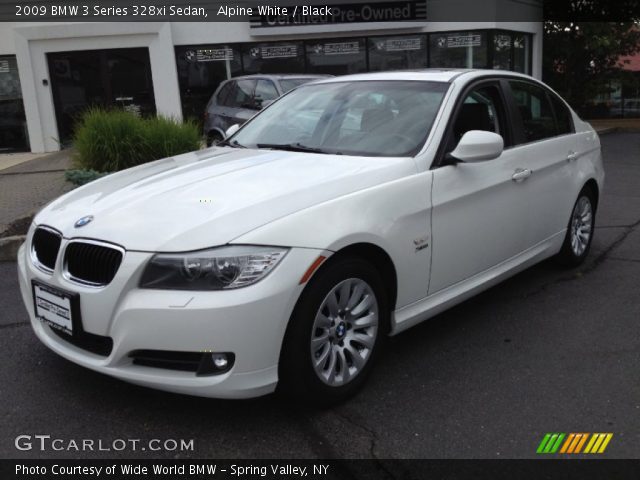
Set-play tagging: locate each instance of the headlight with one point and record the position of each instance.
(216, 269)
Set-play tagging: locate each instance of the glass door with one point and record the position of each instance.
(13, 124)
(105, 78)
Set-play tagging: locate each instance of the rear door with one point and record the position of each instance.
(479, 212)
(547, 144)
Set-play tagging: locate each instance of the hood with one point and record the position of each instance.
(207, 198)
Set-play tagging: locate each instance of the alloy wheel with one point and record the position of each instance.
(581, 226)
(344, 332)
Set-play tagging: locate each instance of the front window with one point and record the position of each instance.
(372, 118)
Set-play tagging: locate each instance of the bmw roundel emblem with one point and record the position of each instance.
(83, 221)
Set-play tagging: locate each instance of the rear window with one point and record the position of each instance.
(563, 115)
(535, 110)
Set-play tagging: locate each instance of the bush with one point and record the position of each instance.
(80, 177)
(166, 137)
(111, 140)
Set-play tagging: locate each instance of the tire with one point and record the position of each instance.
(576, 245)
(343, 353)
(213, 138)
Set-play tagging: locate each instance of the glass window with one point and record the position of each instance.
(337, 57)
(397, 53)
(502, 51)
(224, 93)
(265, 91)
(242, 96)
(482, 109)
(201, 69)
(535, 110)
(458, 49)
(563, 115)
(374, 118)
(522, 53)
(282, 57)
(13, 124)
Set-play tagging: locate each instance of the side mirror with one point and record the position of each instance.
(231, 130)
(478, 146)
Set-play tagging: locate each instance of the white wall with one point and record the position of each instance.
(32, 43)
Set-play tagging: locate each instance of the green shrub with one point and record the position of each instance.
(80, 177)
(111, 140)
(165, 137)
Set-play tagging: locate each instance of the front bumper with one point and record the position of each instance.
(250, 322)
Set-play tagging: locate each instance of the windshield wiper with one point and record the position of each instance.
(227, 143)
(290, 147)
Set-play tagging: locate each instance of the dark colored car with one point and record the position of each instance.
(238, 99)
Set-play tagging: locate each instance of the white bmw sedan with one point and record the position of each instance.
(349, 210)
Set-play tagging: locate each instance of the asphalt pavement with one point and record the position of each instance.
(549, 350)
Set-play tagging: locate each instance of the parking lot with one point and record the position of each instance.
(549, 350)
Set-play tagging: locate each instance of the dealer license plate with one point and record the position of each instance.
(54, 307)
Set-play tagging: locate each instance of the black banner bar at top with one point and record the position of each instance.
(268, 13)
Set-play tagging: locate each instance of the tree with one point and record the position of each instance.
(580, 58)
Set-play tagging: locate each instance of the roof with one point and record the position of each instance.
(283, 75)
(429, 74)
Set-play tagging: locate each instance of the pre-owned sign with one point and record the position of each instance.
(389, 11)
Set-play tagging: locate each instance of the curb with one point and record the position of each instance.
(9, 247)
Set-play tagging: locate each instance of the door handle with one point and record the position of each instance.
(572, 156)
(521, 175)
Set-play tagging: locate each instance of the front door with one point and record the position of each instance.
(103, 78)
(479, 212)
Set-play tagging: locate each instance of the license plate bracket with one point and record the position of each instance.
(57, 308)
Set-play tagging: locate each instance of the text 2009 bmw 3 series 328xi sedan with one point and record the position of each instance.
(350, 209)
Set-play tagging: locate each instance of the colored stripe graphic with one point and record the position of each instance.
(567, 443)
(543, 443)
(573, 443)
(598, 443)
(550, 443)
(581, 443)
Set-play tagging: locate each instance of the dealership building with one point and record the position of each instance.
(51, 72)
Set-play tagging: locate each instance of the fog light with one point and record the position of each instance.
(220, 360)
(215, 363)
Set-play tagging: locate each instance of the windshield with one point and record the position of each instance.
(372, 118)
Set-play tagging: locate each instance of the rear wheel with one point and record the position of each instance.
(580, 230)
(335, 333)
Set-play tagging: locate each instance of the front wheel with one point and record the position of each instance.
(580, 230)
(335, 333)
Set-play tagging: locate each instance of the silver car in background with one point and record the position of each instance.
(237, 100)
